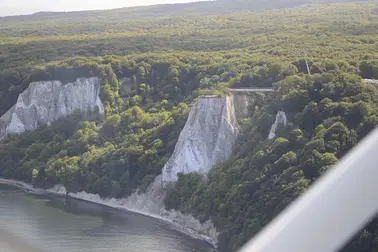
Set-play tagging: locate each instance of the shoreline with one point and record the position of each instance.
(29, 189)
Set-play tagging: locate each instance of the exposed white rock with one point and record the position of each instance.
(241, 103)
(149, 202)
(372, 82)
(208, 136)
(207, 139)
(44, 102)
(184, 223)
(281, 120)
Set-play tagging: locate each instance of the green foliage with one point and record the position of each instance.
(151, 70)
(265, 43)
(127, 150)
(265, 76)
(243, 194)
(369, 69)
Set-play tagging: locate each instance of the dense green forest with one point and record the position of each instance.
(329, 114)
(344, 32)
(154, 62)
(146, 103)
(167, 10)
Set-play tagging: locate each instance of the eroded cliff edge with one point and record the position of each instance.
(44, 102)
(208, 136)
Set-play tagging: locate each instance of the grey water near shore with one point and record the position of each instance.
(30, 223)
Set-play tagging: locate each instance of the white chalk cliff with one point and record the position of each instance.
(207, 139)
(208, 136)
(281, 120)
(44, 102)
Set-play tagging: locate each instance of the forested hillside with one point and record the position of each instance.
(146, 103)
(154, 62)
(328, 113)
(340, 32)
(210, 7)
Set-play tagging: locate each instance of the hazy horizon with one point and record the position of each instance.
(24, 7)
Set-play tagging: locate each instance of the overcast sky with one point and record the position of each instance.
(18, 7)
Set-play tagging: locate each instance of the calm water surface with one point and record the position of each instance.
(50, 224)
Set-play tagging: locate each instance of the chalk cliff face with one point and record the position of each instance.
(208, 136)
(241, 103)
(46, 101)
(207, 139)
(281, 120)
